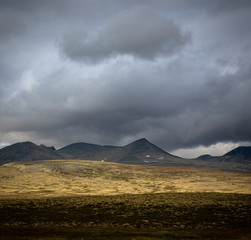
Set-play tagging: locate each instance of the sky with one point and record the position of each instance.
(177, 72)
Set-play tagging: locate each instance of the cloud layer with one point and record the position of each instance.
(109, 72)
(140, 32)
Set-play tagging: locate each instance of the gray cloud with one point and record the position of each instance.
(140, 32)
(157, 81)
(9, 27)
(167, 110)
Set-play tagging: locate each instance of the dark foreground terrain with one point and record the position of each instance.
(139, 217)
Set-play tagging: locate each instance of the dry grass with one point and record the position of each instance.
(147, 216)
(78, 177)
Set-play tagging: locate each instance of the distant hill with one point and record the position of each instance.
(138, 152)
(27, 151)
(83, 150)
(205, 157)
(239, 154)
(245, 152)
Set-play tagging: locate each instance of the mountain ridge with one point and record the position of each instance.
(139, 152)
(82, 150)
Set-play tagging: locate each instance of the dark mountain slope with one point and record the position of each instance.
(239, 154)
(27, 151)
(143, 145)
(138, 152)
(245, 152)
(83, 150)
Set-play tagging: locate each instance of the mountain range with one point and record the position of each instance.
(140, 152)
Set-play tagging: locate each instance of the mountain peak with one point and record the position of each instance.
(141, 140)
(142, 145)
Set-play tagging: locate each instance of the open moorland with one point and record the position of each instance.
(78, 177)
(77, 199)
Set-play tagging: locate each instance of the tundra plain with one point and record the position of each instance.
(78, 199)
(56, 178)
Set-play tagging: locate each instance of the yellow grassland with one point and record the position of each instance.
(56, 178)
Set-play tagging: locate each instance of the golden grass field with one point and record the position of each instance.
(78, 177)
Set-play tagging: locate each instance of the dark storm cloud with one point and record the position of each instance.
(228, 5)
(140, 32)
(133, 105)
(175, 72)
(9, 27)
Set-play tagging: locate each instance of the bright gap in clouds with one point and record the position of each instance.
(217, 149)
